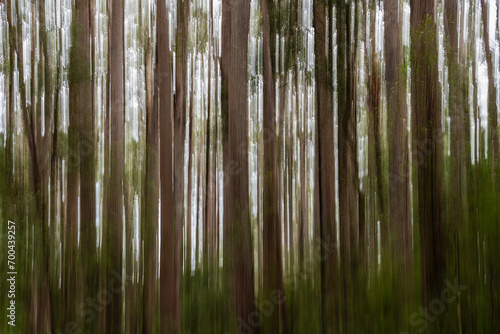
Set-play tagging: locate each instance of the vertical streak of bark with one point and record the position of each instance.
(427, 145)
(272, 270)
(236, 190)
(326, 168)
(150, 201)
(86, 151)
(117, 147)
(169, 295)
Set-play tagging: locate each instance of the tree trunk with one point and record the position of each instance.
(117, 162)
(190, 174)
(86, 151)
(326, 171)
(181, 38)
(427, 146)
(169, 294)
(272, 270)
(150, 201)
(236, 194)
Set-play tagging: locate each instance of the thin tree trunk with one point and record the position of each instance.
(150, 201)
(190, 175)
(117, 162)
(169, 294)
(71, 230)
(86, 145)
(272, 270)
(181, 38)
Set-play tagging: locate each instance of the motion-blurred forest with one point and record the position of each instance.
(244, 166)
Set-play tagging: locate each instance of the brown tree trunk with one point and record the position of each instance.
(117, 161)
(150, 201)
(236, 194)
(326, 171)
(181, 38)
(71, 229)
(272, 270)
(458, 186)
(169, 294)
(399, 182)
(427, 146)
(227, 237)
(86, 145)
(190, 173)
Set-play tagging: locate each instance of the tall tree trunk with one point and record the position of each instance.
(399, 180)
(71, 231)
(117, 162)
(427, 146)
(348, 192)
(190, 174)
(236, 192)
(289, 148)
(326, 171)
(207, 217)
(226, 51)
(181, 38)
(272, 270)
(457, 102)
(374, 144)
(150, 200)
(304, 214)
(399, 190)
(169, 294)
(86, 151)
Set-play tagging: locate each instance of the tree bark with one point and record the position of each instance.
(427, 146)
(326, 171)
(272, 270)
(169, 294)
(181, 38)
(150, 201)
(117, 162)
(86, 151)
(236, 192)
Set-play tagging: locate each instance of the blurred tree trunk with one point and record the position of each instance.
(427, 146)
(181, 38)
(374, 132)
(271, 231)
(169, 295)
(76, 79)
(207, 209)
(326, 169)
(236, 194)
(399, 182)
(117, 162)
(106, 178)
(458, 101)
(226, 51)
(150, 199)
(189, 221)
(86, 151)
(213, 174)
(348, 192)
